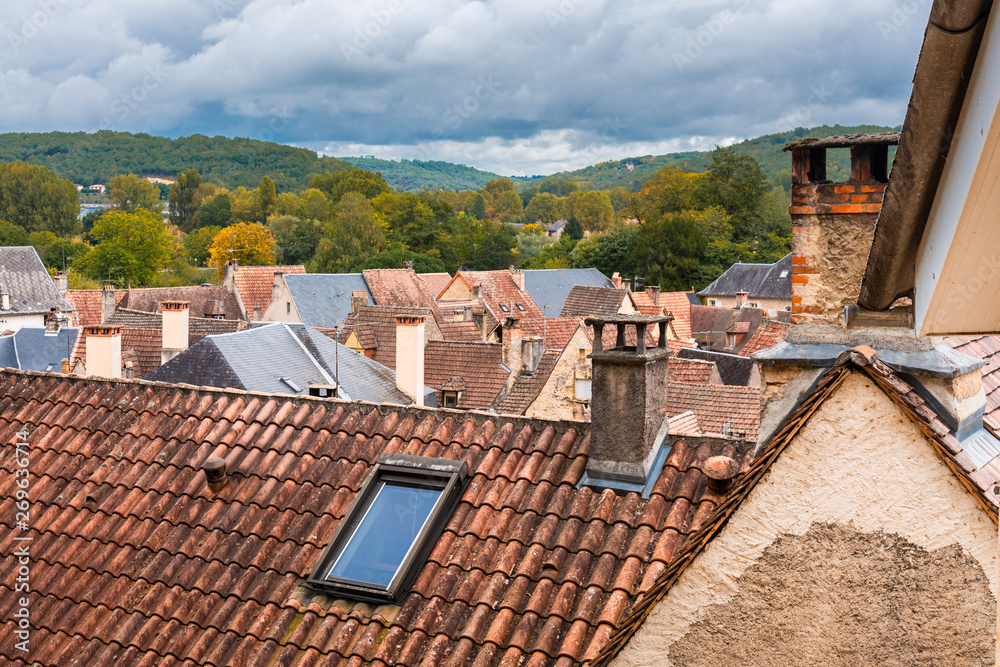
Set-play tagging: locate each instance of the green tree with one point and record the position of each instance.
(393, 259)
(668, 252)
(61, 254)
(737, 184)
(477, 206)
(12, 235)
(129, 192)
(558, 255)
(131, 248)
(669, 191)
(198, 242)
(573, 229)
(36, 199)
(335, 186)
(560, 187)
(507, 207)
(492, 247)
(530, 246)
(297, 239)
(215, 212)
(496, 186)
(181, 202)
(592, 209)
(607, 252)
(266, 197)
(351, 238)
(90, 219)
(248, 243)
(41, 242)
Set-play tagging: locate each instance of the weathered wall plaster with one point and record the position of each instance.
(858, 467)
(557, 397)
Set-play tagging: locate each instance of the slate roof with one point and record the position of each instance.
(281, 359)
(464, 332)
(24, 278)
(255, 284)
(768, 334)
(498, 289)
(527, 387)
(761, 281)
(585, 301)
(549, 288)
(324, 299)
(198, 327)
(377, 325)
(733, 369)
(29, 349)
(87, 303)
(399, 287)
(204, 300)
(475, 369)
(136, 562)
(721, 409)
(557, 331)
(986, 348)
(859, 360)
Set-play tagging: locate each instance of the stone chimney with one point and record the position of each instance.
(108, 304)
(175, 329)
(62, 284)
(477, 292)
(229, 275)
(410, 356)
(359, 298)
(628, 422)
(654, 294)
(512, 349)
(104, 351)
(517, 277)
(833, 225)
(742, 300)
(532, 349)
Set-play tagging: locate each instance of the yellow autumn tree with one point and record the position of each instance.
(247, 242)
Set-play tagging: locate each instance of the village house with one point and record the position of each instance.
(27, 294)
(761, 286)
(252, 286)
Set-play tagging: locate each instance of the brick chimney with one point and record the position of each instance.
(833, 224)
(628, 422)
(104, 351)
(511, 334)
(654, 294)
(175, 329)
(517, 277)
(616, 280)
(107, 304)
(742, 300)
(410, 356)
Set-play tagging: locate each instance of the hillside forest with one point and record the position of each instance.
(679, 230)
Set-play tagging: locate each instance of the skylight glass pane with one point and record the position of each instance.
(385, 534)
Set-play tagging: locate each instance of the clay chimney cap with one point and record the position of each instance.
(720, 468)
(215, 472)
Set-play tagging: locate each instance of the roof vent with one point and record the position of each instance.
(323, 390)
(215, 473)
(291, 385)
(6, 301)
(720, 471)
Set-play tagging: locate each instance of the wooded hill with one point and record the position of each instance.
(415, 175)
(94, 158)
(767, 150)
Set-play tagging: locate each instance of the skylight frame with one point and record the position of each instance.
(399, 469)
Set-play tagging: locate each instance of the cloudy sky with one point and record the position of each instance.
(512, 86)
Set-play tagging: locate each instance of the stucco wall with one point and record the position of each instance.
(860, 473)
(17, 322)
(277, 309)
(765, 304)
(555, 401)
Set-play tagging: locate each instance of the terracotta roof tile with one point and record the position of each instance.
(256, 283)
(150, 567)
(399, 287)
(557, 331)
(588, 301)
(88, 304)
(498, 292)
(721, 409)
(463, 332)
(376, 329)
(205, 301)
(690, 371)
(436, 282)
(768, 334)
(473, 369)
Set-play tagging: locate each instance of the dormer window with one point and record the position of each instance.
(393, 524)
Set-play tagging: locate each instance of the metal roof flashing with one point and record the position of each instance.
(939, 362)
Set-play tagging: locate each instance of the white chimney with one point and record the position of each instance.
(6, 301)
(104, 351)
(175, 329)
(742, 300)
(410, 356)
(517, 277)
(108, 304)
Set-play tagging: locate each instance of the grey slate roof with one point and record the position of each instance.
(258, 359)
(733, 369)
(31, 350)
(324, 299)
(761, 281)
(23, 276)
(549, 288)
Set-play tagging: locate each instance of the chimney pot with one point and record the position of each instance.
(720, 470)
(215, 473)
(408, 265)
(323, 390)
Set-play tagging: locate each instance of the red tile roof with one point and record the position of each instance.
(205, 301)
(678, 305)
(498, 289)
(526, 388)
(690, 371)
(88, 304)
(474, 369)
(256, 283)
(685, 424)
(398, 287)
(588, 301)
(768, 334)
(436, 282)
(986, 348)
(376, 325)
(136, 562)
(721, 409)
(645, 305)
(557, 331)
(142, 350)
(463, 332)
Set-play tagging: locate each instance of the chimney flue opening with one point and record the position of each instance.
(215, 473)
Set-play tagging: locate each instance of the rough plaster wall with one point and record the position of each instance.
(899, 604)
(555, 401)
(837, 247)
(860, 464)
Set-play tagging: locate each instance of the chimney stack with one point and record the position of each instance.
(517, 277)
(359, 298)
(410, 356)
(833, 225)
(62, 284)
(532, 349)
(5, 301)
(616, 280)
(628, 425)
(408, 265)
(108, 304)
(104, 351)
(654, 293)
(742, 300)
(175, 329)
(511, 333)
